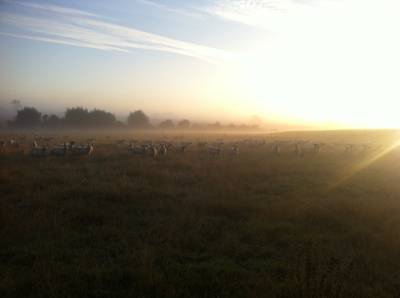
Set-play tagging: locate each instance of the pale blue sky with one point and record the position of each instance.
(294, 60)
(54, 55)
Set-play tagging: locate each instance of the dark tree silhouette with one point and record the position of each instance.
(184, 124)
(167, 124)
(27, 117)
(100, 118)
(45, 117)
(77, 117)
(51, 121)
(81, 117)
(215, 125)
(119, 124)
(198, 126)
(138, 119)
(231, 126)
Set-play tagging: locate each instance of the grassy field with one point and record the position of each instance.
(186, 225)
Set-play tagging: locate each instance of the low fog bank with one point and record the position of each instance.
(19, 118)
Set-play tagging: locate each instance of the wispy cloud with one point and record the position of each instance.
(56, 24)
(193, 13)
(265, 14)
(62, 41)
(52, 8)
(258, 13)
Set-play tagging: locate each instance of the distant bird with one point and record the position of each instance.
(182, 147)
(214, 151)
(317, 148)
(349, 148)
(297, 149)
(59, 150)
(277, 149)
(81, 150)
(163, 150)
(234, 150)
(137, 149)
(152, 151)
(13, 143)
(38, 151)
(201, 145)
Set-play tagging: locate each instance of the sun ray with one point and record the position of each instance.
(365, 163)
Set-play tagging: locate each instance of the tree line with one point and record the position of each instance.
(82, 118)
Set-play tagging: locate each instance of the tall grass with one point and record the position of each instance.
(115, 225)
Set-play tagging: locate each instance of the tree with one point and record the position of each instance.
(138, 119)
(119, 124)
(215, 125)
(77, 117)
(167, 124)
(101, 118)
(45, 118)
(28, 117)
(184, 124)
(198, 126)
(51, 121)
(231, 126)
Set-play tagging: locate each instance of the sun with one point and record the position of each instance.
(308, 88)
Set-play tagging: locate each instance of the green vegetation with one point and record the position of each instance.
(185, 225)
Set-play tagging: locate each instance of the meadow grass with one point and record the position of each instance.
(259, 225)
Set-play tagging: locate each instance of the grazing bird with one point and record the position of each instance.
(182, 147)
(47, 139)
(13, 143)
(38, 151)
(277, 149)
(59, 150)
(297, 149)
(201, 145)
(214, 151)
(152, 151)
(259, 143)
(219, 144)
(366, 147)
(163, 149)
(81, 150)
(234, 150)
(121, 142)
(137, 149)
(317, 148)
(349, 148)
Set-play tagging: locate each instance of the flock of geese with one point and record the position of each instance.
(61, 150)
(40, 147)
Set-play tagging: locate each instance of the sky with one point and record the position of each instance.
(326, 63)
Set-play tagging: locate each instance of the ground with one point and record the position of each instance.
(187, 225)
